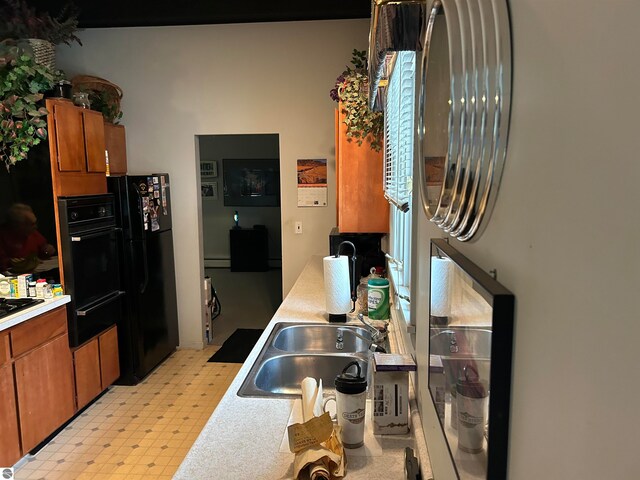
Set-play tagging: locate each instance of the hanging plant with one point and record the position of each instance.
(23, 122)
(21, 20)
(351, 90)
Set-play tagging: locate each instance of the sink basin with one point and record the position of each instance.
(320, 339)
(461, 346)
(294, 351)
(282, 374)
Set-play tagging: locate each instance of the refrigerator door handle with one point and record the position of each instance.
(145, 269)
(140, 209)
(143, 287)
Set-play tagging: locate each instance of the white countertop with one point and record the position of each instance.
(28, 313)
(242, 438)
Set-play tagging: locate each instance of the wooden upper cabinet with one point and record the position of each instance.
(362, 207)
(69, 137)
(77, 144)
(94, 143)
(116, 142)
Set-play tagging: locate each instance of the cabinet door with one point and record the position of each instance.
(4, 349)
(44, 382)
(109, 359)
(94, 141)
(362, 207)
(9, 437)
(116, 142)
(69, 137)
(86, 364)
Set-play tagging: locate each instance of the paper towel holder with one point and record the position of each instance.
(342, 317)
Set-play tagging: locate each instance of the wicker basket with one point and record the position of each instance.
(88, 83)
(44, 52)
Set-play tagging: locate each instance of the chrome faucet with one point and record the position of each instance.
(370, 341)
(376, 335)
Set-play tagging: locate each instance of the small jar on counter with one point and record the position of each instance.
(40, 288)
(57, 290)
(32, 289)
(48, 290)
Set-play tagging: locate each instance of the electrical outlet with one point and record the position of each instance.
(298, 228)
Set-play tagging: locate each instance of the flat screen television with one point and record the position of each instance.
(251, 182)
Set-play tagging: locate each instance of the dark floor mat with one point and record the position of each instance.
(238, 346)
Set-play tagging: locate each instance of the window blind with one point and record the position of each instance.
(398, 142)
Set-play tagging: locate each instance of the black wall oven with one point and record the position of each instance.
(90, 257)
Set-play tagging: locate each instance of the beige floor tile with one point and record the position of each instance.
(128, 416)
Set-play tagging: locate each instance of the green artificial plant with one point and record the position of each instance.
(20, 20)
(351, 90)
(23, 122)
(103, 101)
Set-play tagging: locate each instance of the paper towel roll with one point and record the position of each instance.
(336, 284)
(441, 284)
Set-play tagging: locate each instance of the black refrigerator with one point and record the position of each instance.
(148, 332)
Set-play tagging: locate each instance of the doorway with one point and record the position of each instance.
(239, 176)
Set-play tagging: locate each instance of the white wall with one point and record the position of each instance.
(565, 236)
(180, 82)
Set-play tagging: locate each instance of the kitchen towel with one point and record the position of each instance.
(441, 285)
(336, 284)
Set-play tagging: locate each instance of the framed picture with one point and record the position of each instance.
(251, 182)
(209, 190)
(209, 169)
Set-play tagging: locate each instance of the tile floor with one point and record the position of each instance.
(141, 432)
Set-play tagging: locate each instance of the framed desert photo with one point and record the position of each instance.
(434, 170)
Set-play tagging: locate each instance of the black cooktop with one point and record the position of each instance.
(13, 305)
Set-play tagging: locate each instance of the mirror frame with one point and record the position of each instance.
(479, 39)
(502, 302)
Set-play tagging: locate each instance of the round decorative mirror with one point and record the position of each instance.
(463, 106)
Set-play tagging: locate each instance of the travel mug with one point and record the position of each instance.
(472, 396)
(351, 396)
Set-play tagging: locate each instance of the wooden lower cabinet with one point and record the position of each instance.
(86, 362)
(109, 357)
(44, 384)
(9, 436)
(96, 365)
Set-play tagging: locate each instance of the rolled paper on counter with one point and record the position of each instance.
(317, 408)
(441, 284)
(319, 472)
(311, 398)
(336, 284)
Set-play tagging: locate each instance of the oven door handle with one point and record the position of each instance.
(100, 303)
(89, 236)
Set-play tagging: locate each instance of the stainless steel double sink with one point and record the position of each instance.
(294, 351)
